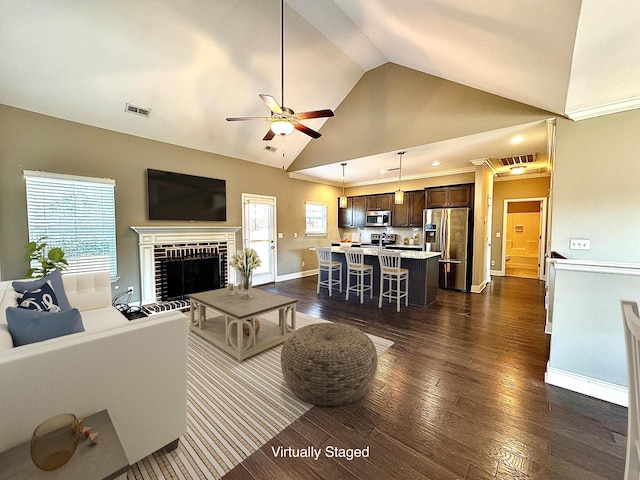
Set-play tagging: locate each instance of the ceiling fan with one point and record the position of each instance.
(283, 119)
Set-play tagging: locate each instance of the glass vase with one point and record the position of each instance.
(246, 284)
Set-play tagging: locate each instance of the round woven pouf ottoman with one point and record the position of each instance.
(329, 364)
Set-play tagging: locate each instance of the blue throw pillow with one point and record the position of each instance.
(43, 298)
(31, 326)
(55, 277)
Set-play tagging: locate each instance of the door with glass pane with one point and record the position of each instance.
(259, 233)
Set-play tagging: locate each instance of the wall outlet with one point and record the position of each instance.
(295, 235)
(493, 263)
(129, 289)
(579, 244)
(498, 234)
(303, 264)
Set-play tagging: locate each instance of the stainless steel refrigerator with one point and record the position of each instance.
(446, 230)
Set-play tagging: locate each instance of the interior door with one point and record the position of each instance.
(259, 233)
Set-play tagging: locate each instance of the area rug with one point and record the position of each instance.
(232, 410)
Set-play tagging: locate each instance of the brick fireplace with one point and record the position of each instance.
(162, 243)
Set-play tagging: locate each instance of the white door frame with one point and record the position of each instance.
(488, 239)
(542, 245)
(248, 198)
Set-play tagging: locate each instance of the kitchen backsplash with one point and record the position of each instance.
(409, 234)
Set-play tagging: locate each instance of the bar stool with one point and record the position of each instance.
(357, 267)
(391, 271)
(326, 264)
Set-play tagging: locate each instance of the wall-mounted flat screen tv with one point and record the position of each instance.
(177, 196)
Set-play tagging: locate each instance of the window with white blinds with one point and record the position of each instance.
(76, 214)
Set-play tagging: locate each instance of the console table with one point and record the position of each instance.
(106, 460)
(226, 330)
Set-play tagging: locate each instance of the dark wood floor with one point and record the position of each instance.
(460, 394)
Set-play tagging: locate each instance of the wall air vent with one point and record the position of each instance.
(518, 159)
(129, 108)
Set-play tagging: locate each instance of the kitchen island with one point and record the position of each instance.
(422, 266)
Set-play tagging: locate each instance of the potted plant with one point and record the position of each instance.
(47, 260)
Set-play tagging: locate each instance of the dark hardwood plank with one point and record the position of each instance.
(460, 394)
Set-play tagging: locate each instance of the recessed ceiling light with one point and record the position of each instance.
(516, 139)
(518, 170)
(435, 164)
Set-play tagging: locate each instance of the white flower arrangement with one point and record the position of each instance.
(245, 261)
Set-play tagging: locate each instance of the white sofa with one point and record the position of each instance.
(137, 370)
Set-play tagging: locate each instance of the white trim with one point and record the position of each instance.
(591, 266)
(293, 276)
(71, 178)
(478, 288)
(497, 273)
(609, 392)
(605, 109)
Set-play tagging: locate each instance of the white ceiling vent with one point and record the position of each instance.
(518, 159)
(271, 149)
(129, 108)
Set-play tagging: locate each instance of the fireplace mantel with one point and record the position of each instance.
(172, 233)
(151, 236)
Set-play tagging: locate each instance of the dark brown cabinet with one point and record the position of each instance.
(355, 213)
(382, 201)
(409, 213)
(453, 196)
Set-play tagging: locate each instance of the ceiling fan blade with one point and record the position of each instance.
(269, 135)
(271, 103)
(307, 130)
(242, 119)
(315, 114)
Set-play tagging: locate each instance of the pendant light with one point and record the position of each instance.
(399, 195)
(343, 199)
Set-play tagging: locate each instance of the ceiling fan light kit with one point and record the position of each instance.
(283, 119)
(282, 127)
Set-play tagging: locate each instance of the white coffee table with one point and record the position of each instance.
(225, 330)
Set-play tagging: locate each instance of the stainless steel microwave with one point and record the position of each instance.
(379, 218)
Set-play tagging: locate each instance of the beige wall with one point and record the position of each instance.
(508, 190)
(596, 187)
(483, 192)
(30, 141)
(394, 107)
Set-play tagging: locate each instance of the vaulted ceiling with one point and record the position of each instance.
(192, 64)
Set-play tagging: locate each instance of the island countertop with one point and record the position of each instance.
(415, 255)
(423, 271)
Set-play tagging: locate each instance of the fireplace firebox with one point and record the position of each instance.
(190, 274)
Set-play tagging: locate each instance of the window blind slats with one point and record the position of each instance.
(77, 216)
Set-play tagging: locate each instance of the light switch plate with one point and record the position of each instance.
(579, 244)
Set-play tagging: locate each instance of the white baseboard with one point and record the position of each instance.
(478, 288)
(496, 273)
(291, 276)
(609, 392)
